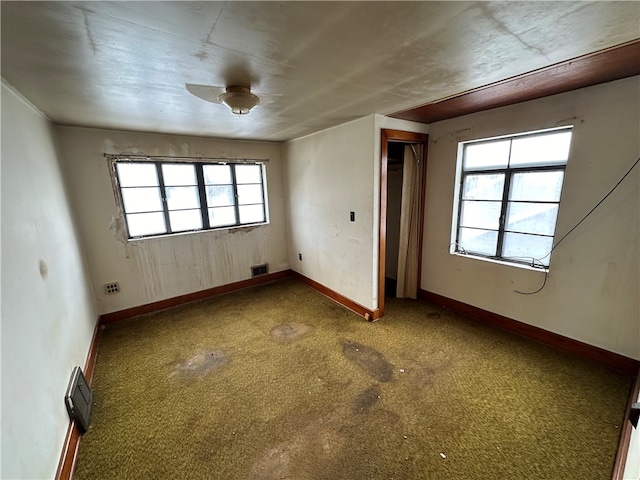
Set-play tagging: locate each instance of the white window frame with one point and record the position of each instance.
(203, 207)
(509, 172)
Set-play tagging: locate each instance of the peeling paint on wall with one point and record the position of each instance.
(147, 268)
(163, 267)
(242, 229)
(454, 136)
(119, 232)
(171, 266)
(111, 147)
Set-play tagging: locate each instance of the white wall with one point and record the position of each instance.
(48, 312)
(593, 286)
(328, 174)
(158, 268)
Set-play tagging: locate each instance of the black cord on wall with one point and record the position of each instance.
(546, 270)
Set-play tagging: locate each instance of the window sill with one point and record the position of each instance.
(235, 228)
(500, 262)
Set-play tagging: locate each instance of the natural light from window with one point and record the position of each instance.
(508, 196)
(160, 197)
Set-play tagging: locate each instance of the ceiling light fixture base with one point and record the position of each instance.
(239, 99)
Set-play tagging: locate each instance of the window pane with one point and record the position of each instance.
(222, 216)
(248, 174)
(483, 242)
(483, 187)
(145, 199)
(537, 186)
(541, 149)
(480, 214)
(249, 194)
(486, 155)
(185, 220)
(525, 247)
(179, 174)
(137, 174)
(182, 197)
(220, 196)
(217, 174)
(251, 214)
(145, 224)
(537, 218)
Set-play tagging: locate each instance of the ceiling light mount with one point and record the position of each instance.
(239, 99)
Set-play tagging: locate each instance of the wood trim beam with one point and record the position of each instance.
(605, 357)
(67, 461)
(423, 193)
(382, 234)
(625, 434)
(371, 315)
(603, 66)
(191, 297)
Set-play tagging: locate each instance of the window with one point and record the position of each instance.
(164, 197)
(509, 194)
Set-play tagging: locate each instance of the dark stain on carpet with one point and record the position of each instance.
(201, 364)
(288, 332)
(314, 442)
(368, 359)
(317, 441)
(209, 446)
(429, 366)
(433, 315)
(366, 399)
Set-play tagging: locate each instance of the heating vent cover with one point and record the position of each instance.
(78, 399)
(259, 270)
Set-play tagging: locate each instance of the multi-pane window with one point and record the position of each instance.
(509, 194)
(160, 197)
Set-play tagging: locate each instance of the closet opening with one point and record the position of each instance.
(402, 193)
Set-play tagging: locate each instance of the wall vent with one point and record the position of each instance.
(257, 270)
(78, 399)
(111, 288)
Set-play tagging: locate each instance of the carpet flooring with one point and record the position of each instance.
(279, 382)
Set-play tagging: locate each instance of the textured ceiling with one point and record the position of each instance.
(314, 64)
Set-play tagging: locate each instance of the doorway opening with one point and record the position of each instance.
(402, 193)
(395, 172)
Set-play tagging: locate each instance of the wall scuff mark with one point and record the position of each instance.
(44, 270)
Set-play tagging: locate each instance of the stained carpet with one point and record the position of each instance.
(278, 382)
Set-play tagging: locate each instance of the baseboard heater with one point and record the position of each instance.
(79, 399)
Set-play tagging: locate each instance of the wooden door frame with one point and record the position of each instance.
(388, 135)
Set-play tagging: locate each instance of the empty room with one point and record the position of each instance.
(320, 240)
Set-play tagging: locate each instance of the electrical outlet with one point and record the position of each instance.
(300, 256)
(111, 288)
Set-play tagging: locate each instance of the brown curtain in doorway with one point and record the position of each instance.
(409, 223)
